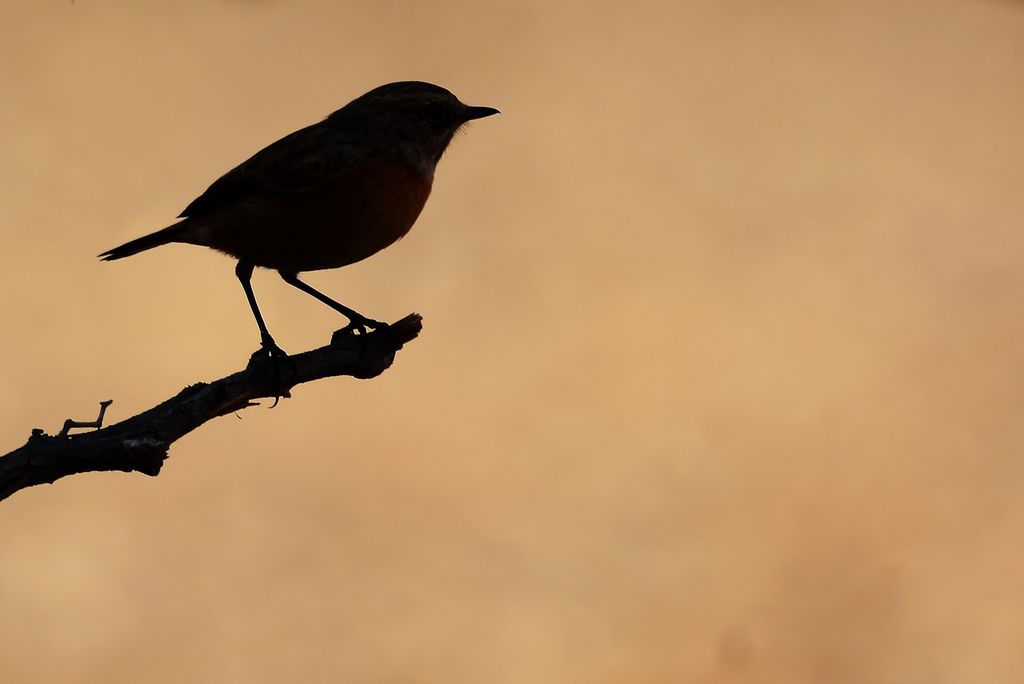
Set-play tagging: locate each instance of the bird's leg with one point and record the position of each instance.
(357, 322)
(270, 348)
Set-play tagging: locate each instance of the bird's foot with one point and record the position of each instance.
(278, 364)
(268, 350)
(357, 326)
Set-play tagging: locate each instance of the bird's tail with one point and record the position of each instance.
(161, 237)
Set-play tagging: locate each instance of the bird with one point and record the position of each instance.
(325, 196)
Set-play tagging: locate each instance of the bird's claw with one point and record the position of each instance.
(268, 350)
(357, 326)
(278, 360)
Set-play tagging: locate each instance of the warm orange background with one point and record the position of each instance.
(722, 378)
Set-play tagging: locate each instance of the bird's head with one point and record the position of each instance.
(420, 117)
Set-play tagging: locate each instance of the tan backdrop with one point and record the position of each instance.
(721, 380)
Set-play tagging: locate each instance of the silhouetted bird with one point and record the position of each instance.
(327, 195)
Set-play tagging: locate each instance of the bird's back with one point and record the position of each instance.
(298, 161)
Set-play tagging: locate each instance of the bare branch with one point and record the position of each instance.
(141, 442)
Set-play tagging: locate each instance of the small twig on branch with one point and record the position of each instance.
(69, 424)
(141, 442)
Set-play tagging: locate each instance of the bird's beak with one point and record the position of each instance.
(470, 113)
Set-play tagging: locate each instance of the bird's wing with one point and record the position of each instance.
(296, 162)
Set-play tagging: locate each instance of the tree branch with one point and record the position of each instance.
(141, 442)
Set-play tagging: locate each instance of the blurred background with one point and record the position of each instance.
(721, 378)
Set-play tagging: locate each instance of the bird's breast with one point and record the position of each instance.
(362, 212)
(383, 203)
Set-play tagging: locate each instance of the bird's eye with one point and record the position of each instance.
(434, 112)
